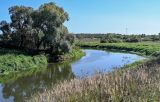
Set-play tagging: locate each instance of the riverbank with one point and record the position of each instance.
(141, 84)
(142, 48)
(138, 82)
(15, 61)
(75, 54)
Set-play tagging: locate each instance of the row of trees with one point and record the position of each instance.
(34, 30)
(114, 38)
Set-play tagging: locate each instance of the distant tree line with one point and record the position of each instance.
(37, 30)
(114, 38)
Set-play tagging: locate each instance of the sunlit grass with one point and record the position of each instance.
(143, 48)
(14, 61)
(140, 84)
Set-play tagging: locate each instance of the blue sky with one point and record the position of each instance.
(101, 16)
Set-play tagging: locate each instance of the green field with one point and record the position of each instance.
(143, 48)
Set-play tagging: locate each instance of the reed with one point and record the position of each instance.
(141, 84)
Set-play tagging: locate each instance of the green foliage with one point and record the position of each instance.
(103, 40)
(154, 38)
(110, 38)
(132, 39)
(142, 48)
(21, 23)
(50, 18)
(16, 61)
(65, 46)
(5, 27)
(70, 38)
(116, 38)
(33, 30)
(74, 54)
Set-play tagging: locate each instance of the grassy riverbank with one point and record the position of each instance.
(75, 54)
(14, 61)
(138, 82)
(143, 48)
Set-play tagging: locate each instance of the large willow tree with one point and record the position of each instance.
(41, 29)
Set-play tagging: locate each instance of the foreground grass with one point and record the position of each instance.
(143, 48)
(140, 84)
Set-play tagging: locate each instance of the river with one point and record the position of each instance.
(17, 87)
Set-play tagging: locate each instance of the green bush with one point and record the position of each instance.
(110, 40)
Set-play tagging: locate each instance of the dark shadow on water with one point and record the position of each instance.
(22, 85)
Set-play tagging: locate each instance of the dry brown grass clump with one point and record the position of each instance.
(137, 85)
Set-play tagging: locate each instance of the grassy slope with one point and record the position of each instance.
(18, 62)
(76, 53)
(139, 82)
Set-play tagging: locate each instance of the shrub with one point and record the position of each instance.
(65, 46)
(103, 40)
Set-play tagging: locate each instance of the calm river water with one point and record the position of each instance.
(18, 87)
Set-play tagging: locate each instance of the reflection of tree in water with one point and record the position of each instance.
(25, 86)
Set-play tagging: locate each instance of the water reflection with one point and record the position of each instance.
(24, 86)
(102, 61)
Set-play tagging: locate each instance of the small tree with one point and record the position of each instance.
(50, 18)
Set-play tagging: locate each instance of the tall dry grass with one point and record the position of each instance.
(140, 84)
